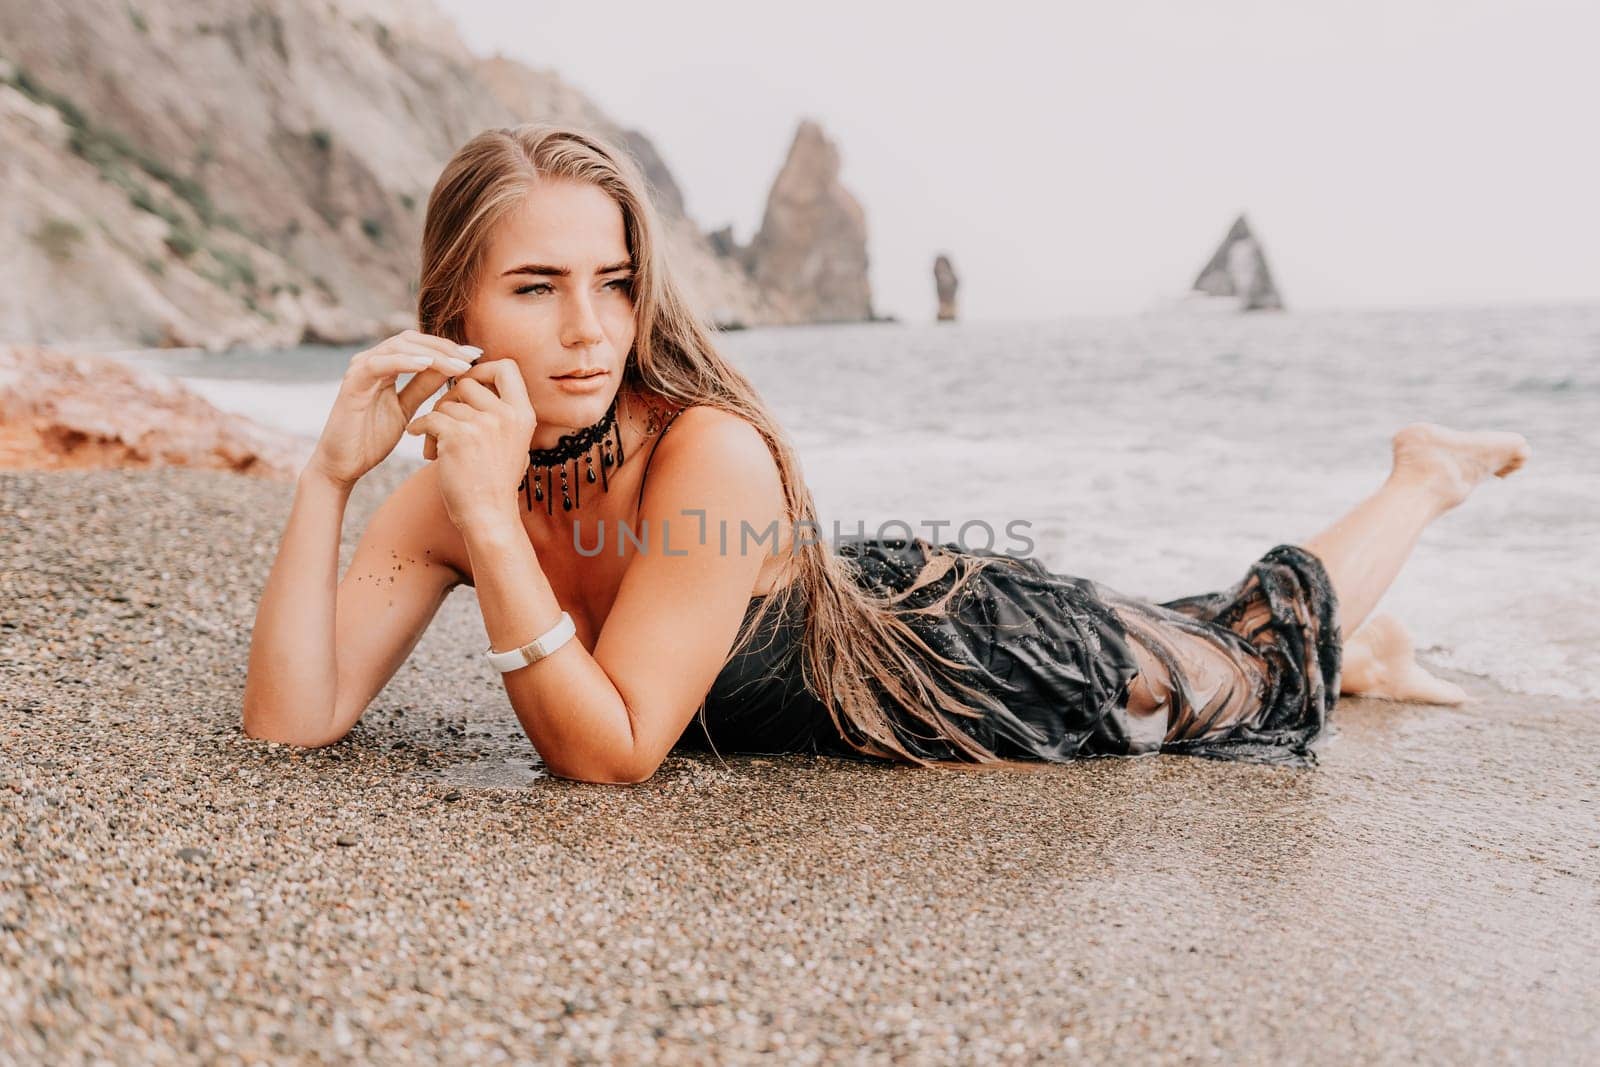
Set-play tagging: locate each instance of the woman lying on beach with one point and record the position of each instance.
(702, 607)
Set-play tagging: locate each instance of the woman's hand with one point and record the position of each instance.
(369, 413)
(483, 428)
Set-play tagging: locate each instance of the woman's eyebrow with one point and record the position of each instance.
(563, 272)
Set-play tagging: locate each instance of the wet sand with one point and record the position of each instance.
(170, 889)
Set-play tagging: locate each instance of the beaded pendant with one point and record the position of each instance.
(568, 449)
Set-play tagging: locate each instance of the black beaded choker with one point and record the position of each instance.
(567, 449)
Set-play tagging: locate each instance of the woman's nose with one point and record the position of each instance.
(582, 326)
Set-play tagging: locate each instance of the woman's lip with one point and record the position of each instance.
(589, 384)
(579, 378)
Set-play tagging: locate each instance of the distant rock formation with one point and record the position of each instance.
(945, 283)
(724, 243)
(227, 173)
(71, 412)
(811, 250)
(1238, 269)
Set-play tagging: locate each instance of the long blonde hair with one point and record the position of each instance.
(855, 641)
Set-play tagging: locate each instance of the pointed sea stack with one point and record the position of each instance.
(1238, 269)
(811, 250)
(945, 281)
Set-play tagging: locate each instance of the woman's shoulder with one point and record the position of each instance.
(709, 434)
(706, 452)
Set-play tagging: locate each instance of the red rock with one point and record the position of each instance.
(65, 412)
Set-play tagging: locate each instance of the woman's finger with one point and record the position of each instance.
(384, 369)
(420, 388)
(433, 422)
(481, 375)
(378, 369)
(456, 409)
(509, 384)
(481, 371)
(427, 382)
(475, 393)
(452, 411)
(443, 345)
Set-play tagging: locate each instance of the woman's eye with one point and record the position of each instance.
(620, 284)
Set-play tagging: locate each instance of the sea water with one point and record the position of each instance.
(1160, 454)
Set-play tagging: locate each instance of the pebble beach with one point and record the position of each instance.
(173, 891)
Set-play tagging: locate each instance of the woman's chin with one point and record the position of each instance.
(575, 406)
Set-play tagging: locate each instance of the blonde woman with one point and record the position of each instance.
(646, 555)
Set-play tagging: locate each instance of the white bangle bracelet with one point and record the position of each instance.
(534, 650)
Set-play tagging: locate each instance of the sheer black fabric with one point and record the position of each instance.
(1248, 673)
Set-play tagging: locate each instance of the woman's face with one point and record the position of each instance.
(556, 295)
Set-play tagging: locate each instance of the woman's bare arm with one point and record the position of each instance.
(292, 677)
(612, 716)
(323, 648)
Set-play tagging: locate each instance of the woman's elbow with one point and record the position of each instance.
(264, 725)
(640, 772)
(628, 774)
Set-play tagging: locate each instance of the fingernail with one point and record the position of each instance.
(472, 351)
(457, 365)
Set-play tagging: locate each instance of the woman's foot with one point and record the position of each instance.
(1380, 661)
(1449, 463)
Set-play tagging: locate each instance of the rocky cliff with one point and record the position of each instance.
(811, 250)
(253, 172)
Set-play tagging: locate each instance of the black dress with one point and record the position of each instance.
(1247, 673)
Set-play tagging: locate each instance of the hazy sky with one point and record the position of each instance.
(1088, 157)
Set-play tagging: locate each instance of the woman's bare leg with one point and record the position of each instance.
(1435, 469)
